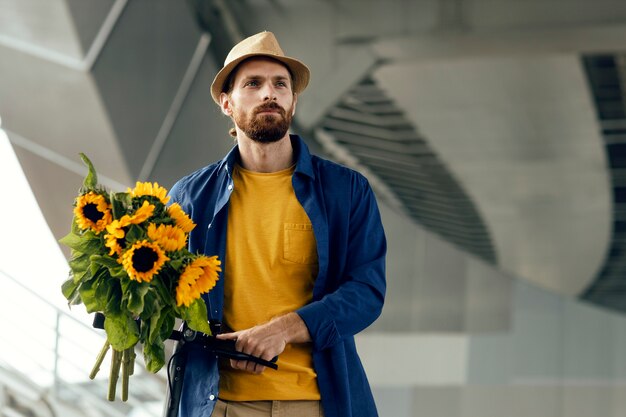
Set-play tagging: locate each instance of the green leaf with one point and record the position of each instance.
(94, 269)
(167, 324)
(136, 293)
(144, 328)
(113, 297)
(154, 356)
(196, 316)
(161, 325)
(80, 262)
(75, 228)
(72, 240)
(122, 331)
(85, 276)
(105, 260)
(135, 233)
(153, 327)
(87, 243)
(118, 272)
(119, 203)
(163, 293)
(176, 264)
(69, 289)
(87, 293)
(151, 304)
(80, 276)
(91, 180)
(102, 293)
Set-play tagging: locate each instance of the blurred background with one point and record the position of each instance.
(493, 133)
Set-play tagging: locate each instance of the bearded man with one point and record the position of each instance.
(303, 252)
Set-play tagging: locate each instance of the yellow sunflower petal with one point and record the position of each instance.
(151, 189)
(198, 278)
(181, 218)
(114, 239)
(170, 238)
(185, 283)
(142, 214)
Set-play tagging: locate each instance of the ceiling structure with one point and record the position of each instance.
(606, 79)
(368, 131)
(477, 120)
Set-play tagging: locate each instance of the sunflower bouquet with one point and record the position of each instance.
(130, 262)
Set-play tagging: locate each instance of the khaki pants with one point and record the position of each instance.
(268, 409)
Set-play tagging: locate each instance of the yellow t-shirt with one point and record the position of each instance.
(271, 265)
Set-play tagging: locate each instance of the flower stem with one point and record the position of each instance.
(116, 362)
(133, 355)
(128, 359)
(99, 359)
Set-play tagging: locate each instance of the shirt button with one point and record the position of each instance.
(210, 224)
(230, 187)
(211, 397)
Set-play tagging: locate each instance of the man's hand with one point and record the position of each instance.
(267, 340)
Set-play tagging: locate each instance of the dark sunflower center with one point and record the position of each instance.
(121, 242)
(91, 212)
(144, 259)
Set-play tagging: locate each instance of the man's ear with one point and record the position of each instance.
(225, 104)
(295, 101)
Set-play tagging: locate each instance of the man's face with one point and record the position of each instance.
(261, 102)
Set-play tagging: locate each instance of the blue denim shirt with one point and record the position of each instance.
(349, 290)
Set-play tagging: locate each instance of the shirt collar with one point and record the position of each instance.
(302, 156)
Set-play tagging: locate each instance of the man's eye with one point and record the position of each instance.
(251, 83)
(281, 84)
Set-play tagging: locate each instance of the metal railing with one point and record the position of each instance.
(46, 355)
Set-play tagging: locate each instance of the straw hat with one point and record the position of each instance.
(261, 44)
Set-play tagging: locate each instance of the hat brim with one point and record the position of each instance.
(299, 72)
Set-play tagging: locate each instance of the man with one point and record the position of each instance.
(303, 252)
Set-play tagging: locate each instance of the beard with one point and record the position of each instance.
(264, 128)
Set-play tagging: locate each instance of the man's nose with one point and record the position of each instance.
(269, 93)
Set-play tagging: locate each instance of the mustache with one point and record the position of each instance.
(272, 105)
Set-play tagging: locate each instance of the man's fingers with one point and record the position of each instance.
(228, 336)
(249, 345)
(262, 341)
(247, 366)
(245, 345)
(254, 368)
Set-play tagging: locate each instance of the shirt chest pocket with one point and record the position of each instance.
(299, 245)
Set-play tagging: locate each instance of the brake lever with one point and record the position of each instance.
(224, 348)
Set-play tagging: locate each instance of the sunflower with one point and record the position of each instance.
(180, 217)
(93, 212)
(199, 277)
(116, 230)
(170, 238)
(115, 237)
(143, 260)
(151, 189)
